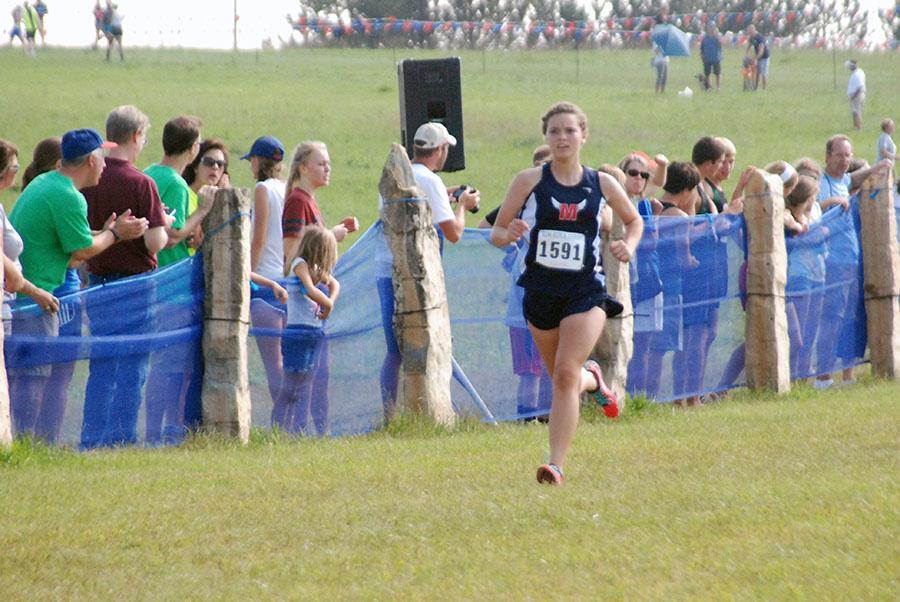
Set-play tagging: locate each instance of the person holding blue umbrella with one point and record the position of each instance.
(672, 40)
(668, 41)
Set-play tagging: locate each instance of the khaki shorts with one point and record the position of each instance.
(39, 324)
(857, 104)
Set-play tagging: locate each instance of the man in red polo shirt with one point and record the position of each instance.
(115, 384)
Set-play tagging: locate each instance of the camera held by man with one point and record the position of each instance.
(468, 196)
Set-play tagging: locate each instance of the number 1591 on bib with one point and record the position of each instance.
(560, 250)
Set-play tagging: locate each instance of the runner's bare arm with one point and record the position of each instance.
(508, 228)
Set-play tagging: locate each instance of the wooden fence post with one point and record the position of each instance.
(226, 315)
(767, 343)
(615, 346)
(421, 316)
(881, 266)
(5, 416)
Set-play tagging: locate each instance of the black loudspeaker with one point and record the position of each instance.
(430, 91)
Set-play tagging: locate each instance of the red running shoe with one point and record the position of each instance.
(550, 474)
(603, 395)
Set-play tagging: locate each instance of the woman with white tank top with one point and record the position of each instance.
(267, 252)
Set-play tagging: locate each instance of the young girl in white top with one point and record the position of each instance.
(309, 271)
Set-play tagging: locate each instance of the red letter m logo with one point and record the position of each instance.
(568, 212)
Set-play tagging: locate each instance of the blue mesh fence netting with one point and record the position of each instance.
(127, 367)
(124, 369)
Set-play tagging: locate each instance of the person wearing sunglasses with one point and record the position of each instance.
(642, 177)
(209, 168)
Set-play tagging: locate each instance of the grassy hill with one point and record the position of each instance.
(349, 100)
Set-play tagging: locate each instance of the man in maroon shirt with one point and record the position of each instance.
(115, 384)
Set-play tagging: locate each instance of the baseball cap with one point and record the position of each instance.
(78, 143)
(267, 147)
(648, 161)
(432, 135)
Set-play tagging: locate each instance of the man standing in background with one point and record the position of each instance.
(41, 9)
(711, 53)
(758, 50)
(32, 23)
(856, 92)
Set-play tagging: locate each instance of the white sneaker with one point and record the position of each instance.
(823, 384)
(848, 382)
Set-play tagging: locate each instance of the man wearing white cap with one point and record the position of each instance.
(431, 145)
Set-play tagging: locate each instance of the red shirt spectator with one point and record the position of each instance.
(300, 210)
(122, 186)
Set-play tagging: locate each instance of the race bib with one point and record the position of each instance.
(559, 250)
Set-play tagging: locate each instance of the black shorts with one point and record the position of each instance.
(715, 67)
(545, 310)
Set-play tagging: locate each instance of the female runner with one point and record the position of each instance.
(565, 301)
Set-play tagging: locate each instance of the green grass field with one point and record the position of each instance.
(349, 100)
(751, 498)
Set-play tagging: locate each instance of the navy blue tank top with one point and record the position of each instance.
(564, 240)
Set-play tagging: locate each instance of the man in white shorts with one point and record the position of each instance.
(856, 92)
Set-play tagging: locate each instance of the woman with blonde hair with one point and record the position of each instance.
(310, 170)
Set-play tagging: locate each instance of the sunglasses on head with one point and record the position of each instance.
(210, 162)
(635, 173)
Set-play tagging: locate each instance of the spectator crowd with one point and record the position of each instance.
(87, 216)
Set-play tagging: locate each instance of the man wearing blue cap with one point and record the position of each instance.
(51, 217)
